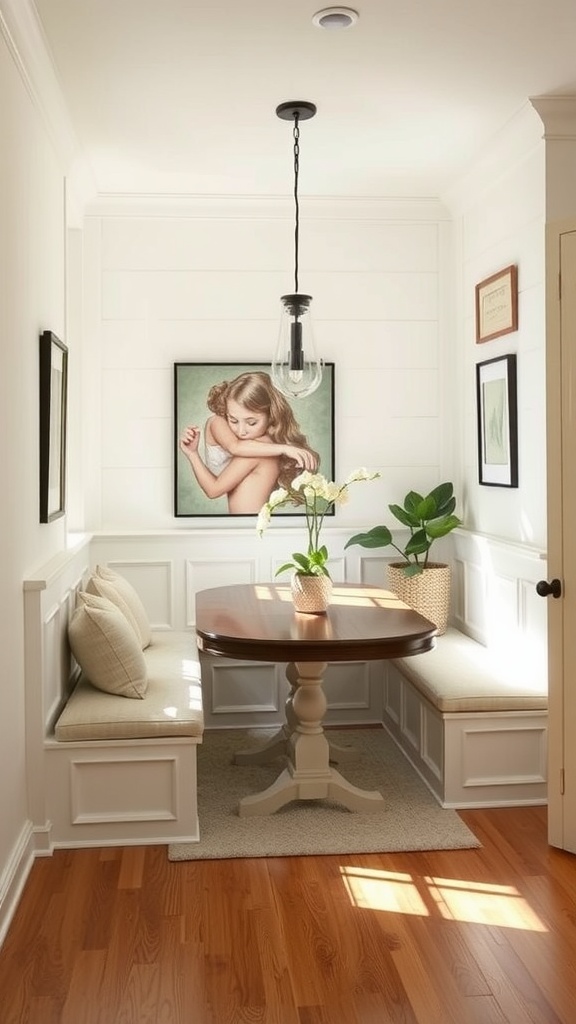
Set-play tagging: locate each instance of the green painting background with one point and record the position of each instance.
(192, 382)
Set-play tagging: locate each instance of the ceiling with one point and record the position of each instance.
(179, 96)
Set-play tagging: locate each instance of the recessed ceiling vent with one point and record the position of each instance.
(335, 18)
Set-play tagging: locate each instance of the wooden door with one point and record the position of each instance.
(561, 458)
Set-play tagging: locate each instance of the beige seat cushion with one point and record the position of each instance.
(463, 675)
(107, 648)
(106, 583)
(172, 705)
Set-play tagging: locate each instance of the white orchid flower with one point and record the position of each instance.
(277, 498)
(263, 519)
(328, 491)
(312, 487)
(301, 480)
(362, 474)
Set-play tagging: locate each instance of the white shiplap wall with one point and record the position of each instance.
(201, 282)
(499, 215)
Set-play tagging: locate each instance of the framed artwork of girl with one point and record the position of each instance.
(237, 438)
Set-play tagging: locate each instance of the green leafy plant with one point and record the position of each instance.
(317, 496)
(427, 518)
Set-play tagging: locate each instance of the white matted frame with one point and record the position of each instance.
(497, 410)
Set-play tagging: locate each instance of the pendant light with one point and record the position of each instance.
(296, 368)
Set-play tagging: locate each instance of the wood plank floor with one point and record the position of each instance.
(122, 936)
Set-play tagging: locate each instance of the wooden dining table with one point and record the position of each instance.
(258, 622)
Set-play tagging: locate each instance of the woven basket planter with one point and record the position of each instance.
(311, 594)
(428, 593)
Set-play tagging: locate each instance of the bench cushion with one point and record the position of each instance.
(463, 675)
(172, 705)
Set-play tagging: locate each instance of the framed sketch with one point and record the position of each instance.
(497, 305)
(497, 422)
(236, 404)
(53, 401)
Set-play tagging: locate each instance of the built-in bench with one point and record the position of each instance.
(472, 721)
(105, 769)
(124, 771)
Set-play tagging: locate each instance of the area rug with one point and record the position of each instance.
(410, 818)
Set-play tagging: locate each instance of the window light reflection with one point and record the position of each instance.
(350, 595)
(191, 669)
(452, 899)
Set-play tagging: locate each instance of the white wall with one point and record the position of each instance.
(499, 214)
(201, 283)
(393, 306)
(31, 300)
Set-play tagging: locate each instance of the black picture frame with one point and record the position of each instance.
(53, 397)
(192, 382)
(497, 409)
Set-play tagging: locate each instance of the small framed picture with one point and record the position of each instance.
(237, 438)
(497, 305)
(53, 399)
(497, 422)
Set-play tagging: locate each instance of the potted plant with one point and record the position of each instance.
(422, 584)
(311, 583)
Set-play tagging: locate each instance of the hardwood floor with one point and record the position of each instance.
(123, 936)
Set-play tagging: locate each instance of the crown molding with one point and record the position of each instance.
(266, 207)
(22, 31)
(558, 115)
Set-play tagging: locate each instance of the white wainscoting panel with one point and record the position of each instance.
(153, 579)
(204, 574)
(243, 687)
(242, 693)
(347, 686)
(524, 746)
(97, 796)
(495, 599)
(121, 792)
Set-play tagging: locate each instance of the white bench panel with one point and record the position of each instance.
(468, 759)
(121, 793)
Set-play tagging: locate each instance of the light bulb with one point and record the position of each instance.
(296, 368)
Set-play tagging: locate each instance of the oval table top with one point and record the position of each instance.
(258, 622)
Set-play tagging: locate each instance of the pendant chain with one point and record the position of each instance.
(297, 209)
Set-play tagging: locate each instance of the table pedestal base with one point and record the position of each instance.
(308, 775)
(278, 743)
(288, 787)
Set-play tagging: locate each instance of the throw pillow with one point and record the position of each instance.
(106, 647)
(106, 583)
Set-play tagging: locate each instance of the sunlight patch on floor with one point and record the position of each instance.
(501, 906)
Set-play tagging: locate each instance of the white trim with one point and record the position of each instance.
(24, 35)
(427, 209)
(13, 878)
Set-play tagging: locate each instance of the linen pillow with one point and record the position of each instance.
(106, 583)
(106, 647)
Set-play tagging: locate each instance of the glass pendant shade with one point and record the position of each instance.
(296, 368)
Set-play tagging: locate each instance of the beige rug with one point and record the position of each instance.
(409, 820)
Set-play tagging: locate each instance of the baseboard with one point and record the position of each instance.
(14, 876)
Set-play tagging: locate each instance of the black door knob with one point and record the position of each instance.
(546, 589)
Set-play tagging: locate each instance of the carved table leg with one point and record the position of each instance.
(278, 743)
(309, 775)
